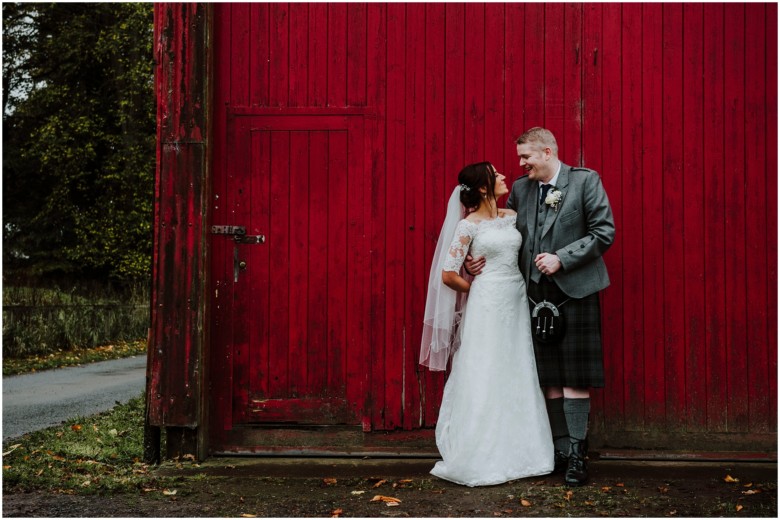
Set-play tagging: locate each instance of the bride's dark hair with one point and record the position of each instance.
(471, 179)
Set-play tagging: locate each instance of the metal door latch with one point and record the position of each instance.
(238, 233)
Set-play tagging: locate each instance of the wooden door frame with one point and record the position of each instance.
(177, 373)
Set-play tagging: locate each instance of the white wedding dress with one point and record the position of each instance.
(493, 424)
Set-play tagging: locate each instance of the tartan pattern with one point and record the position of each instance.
(578, 360)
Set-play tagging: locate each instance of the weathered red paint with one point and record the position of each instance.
(675, 107)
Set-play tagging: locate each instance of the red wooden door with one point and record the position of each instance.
(283, 302)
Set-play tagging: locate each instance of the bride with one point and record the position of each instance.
(493, 424)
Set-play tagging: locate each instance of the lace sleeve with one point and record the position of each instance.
(459, 247)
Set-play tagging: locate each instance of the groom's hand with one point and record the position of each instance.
(548, 263)
(473, 265)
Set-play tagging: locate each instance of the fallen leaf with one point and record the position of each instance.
(11, 449)
(673, 512)
(148, 490)
(729, 478)
(6, 467)
(749, 484)
(739, 507)
(606, 489)
(405, 481)
(247, 515)
(525, 503)
(57, 457)
(751, 492)
(40, 472)
(379, 483)
(358, 492)
(329, 481)
(188, 456)
(589, 503)
(86, 483)
(620, 484)
(382, 498)
(169, 492)
(568, 496)
(663, 489)
(336, 512)
(76, 427)
(508, 511)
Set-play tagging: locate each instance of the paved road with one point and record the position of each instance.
(36, 401)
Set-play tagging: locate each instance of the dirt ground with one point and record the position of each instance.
(285, 487)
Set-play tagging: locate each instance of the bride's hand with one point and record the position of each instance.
(473, 265)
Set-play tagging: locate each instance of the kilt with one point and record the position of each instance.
(577, 361)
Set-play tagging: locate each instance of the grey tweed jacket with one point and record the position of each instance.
(579, 232)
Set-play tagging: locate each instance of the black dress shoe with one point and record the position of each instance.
(577, 470)
(561, 462)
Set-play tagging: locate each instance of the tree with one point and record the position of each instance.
(78, 139)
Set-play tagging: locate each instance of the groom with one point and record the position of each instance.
(566, 222)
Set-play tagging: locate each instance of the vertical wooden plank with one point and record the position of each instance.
(240, 200)
(475, 83)
(337, 55)
(438, 182)
(376, 86)
(259, 262)
(535, 35)
(278, 242)
(357, 266)
(279, 56)
(736, 298)
(673, 203)
(220, 369)
(631, 218)
(356, 54)
(395, 187)
(415, 276)
(318, 54)
(495, 138)
(554, 65)
(514, 74)
(771, 201)
(756, 212)
(319, 278)
(612, 297)
(593, 57)
(715, 231)
(338, 251)
(652, 201)
(240, 53)
(693, 217)
(299, 216)
(572, 83)
(298, 45)
(454, 97)
(259, 55)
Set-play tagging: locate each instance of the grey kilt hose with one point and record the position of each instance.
(577, 361)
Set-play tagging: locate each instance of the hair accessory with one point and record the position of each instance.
(464, 187)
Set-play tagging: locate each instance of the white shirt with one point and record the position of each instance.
(553, 181)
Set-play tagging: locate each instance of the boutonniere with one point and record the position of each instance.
(554, 198)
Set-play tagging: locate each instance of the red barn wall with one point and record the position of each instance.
(674, 104)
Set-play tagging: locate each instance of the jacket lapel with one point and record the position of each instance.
(562, 186)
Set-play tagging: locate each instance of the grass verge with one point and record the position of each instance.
(97, 454)
(59, 359)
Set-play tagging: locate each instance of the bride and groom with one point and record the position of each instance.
(517, 399)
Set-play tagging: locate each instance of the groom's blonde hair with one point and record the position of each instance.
(540, 136)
